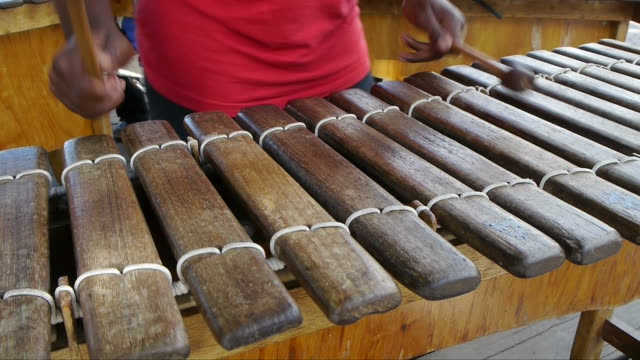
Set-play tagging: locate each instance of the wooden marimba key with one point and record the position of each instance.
(525, 178)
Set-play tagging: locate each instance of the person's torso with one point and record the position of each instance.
(226, 55)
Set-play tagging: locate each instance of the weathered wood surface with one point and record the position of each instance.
(615, 206)
(562, 142)
(578, 121)
(620, 45)
(598, 73)
(596, 105)
(616, 53)
(588, 342)
(584, 238)
(126, 316)
(518, 247)
(501, 302)
(24, 255)
(577, 81)
(622, 336)
(334, 269)
(241, 298)
(413, 253)
(597, 59)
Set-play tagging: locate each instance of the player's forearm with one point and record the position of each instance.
(99, 12)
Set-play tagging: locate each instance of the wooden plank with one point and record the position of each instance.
(564, 143)
(604, 75)
(406, 247)
(577, 81)
(584, 238)
(588, 342)
(476, 220)
(35, 16)
(622, 336)
(130, 315)
(593, 58)
(194, 216)
(334, 269)
(24, 254)
(576, 120)
(614, 52)
(587, 192)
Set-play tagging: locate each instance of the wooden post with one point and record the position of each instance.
(588, 342)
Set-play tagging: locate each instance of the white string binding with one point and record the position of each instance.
(77, 312)
(552, 77)
(359, 213)
(563, 172)
(490, 87)
(279, 128)
(27, 173)
(418, 102)
(221, 136)
(511, 183)
(193, 253)
(366, 116)
(468, 194)
(137, 153)
(298, 228)
(635, 62)
(604, 163)
(621, 61)
(439, 198)
(586, 66)
(331, 118)
(90, 162)
(458, 92)
(33, 292)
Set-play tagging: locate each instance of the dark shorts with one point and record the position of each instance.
(161, 108)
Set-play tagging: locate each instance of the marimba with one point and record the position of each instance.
(430, 209)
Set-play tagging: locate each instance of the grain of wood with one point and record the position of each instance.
(131, 315)
(562, 142)
(332, 267)
(597, 59)
(584, 238)
(588, 342)
(480, 223)
(622, 45)
(24, 254)
(615, 206)
(627, 54)
(598, 73)
(241, 298)
(580, 122)
(416, 255)
(579, 82)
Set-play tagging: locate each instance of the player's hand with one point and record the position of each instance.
(441, 20)
(83, 94)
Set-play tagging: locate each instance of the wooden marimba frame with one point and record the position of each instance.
(348, 194)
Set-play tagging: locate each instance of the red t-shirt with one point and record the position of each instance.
(227, 55)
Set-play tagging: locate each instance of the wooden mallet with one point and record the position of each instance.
(518, 79)
(80, 24)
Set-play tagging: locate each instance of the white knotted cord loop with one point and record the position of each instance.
(586, 66)
(212, 138)
(552, 77)
(367, 211)
(418, 102)
(621, 61)
(303, 228)
(552, 174)
(36, 293)
(604, 163)
(91, 162)
(279, 128)
(511, 183)
(331, 118)
(458, 92)
(141, 151)
(77, 311)
(27, 173)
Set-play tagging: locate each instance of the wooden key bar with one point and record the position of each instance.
(615, 206)
(627, 54)
(241, 298)
(25, 320)
(576, 120)
(334, 269)
(598, 73)
(611, 63)
(576, 149)
(584, 238)
(617, 44)
(611, 93)
(596, 105)
(413, 253)
(109, 232)
(518, 247)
